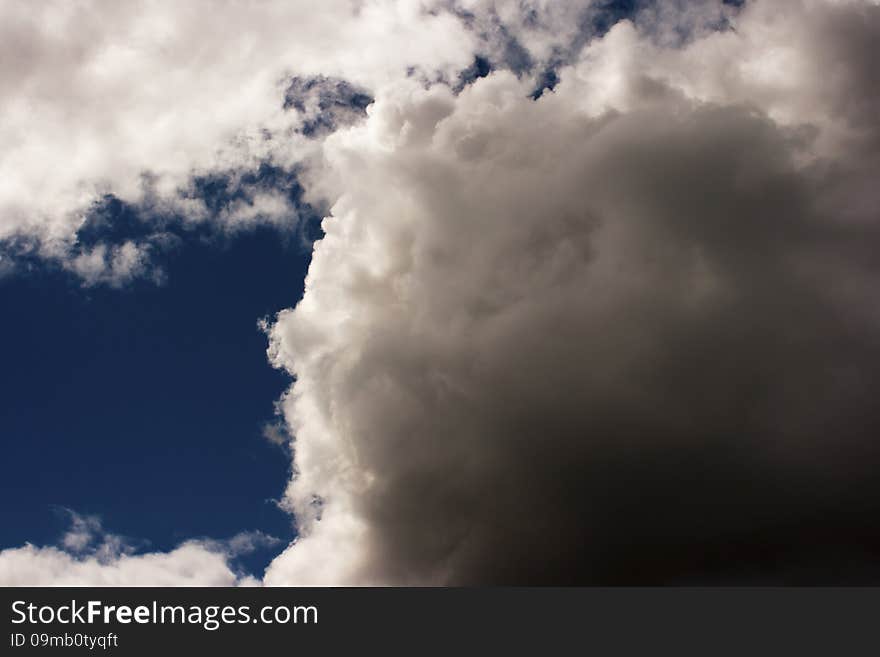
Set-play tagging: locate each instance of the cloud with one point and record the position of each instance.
(276, 433)
(115, 265)
(325, 103)
(626, 333)
(139, 102)
(595, 303)
(90, 556)
(136, 100)
(188, 565)
(82, 533)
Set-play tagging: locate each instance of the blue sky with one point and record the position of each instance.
(145, 405)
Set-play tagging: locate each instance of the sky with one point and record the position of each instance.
(138, 411)
(468, 292)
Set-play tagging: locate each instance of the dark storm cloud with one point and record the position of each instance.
(620, 334)
(631, 438)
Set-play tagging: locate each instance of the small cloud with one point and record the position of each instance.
(113, 265)
(276, 433)
(248, 542)
(83, 532)
(86, 537)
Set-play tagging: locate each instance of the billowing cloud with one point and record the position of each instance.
(627, 332)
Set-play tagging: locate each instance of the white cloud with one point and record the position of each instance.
(90, 556)
(191, 564)
(97, 95)
(115, 265)
(82, 533)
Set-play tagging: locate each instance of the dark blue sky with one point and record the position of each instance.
(144, 406)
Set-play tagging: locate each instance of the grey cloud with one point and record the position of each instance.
(544, 343)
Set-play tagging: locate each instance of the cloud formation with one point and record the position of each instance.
(625, 333)
(594, 303)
